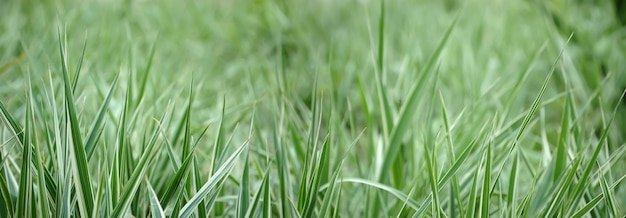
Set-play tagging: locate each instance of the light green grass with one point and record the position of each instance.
(311, 109)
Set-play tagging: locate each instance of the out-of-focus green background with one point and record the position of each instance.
(229, 43)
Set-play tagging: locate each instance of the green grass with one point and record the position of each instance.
(273, 108)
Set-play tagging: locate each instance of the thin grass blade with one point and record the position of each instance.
(26, 184)
(407, 111)
(80, 165)
(135, 180)
(155, 206)
(219, 175)
(244, 191)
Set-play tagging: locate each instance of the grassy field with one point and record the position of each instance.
(276, 108)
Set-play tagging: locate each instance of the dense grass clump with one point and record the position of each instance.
(312, 109)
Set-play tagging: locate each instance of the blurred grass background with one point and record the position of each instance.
(228, 43)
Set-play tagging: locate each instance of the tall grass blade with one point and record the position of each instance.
(309, 164)
(452, 171)
(8, 119)
(588, 207)
(486, 195)
(80, 165)
(219, 176)
(530, 114)
(383, 98)
(174, 185)
(119, 175)
(252, 210)
(472, 201)
(322, 167)
(78, 68)
(267, 204)
(561, 152)
(584, 178)
(281, 163)
(522, 77)
(338, 204)
(407, 111)
(26, 185)
(433, 180)
(455, 199)
(244, 191)
(328, 196)
(565, 186)
(6, 208)
(146, 73)
(609, 198)
(96, 128)
(511, 199)
(43, 209)
(405, 202)
(135, 179)
(156, 211)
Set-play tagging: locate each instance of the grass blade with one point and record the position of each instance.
(267, 204)
(78, 68)
(512, 192)
(26, 184)
(135, 179)
(219, 175)
(533, 108)
(407, 110)
(564, 188)
(561, 153)
(244, 192)
(396, 193)
(486, 195)
(42, 202)
(96, 128)
(433, 180)
(405, 202)
(15, 128)
(146, 73)
(588, 207)
(281, 163)
(6, 209)
(174, 184)
(609, 198)
(472, 196)
(594, 202)
(80, 167)
(584, 178)
(383, 98)
(155, 206)
(328, 196)
(252, 210)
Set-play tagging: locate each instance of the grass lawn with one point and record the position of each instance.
(278, 108)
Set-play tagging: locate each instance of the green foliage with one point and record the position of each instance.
(312, 109)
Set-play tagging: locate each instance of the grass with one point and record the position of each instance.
(312, 109)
